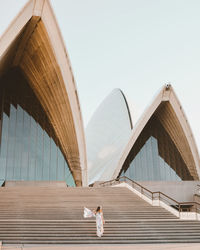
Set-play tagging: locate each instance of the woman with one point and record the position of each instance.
(98, 213)
(99, 221)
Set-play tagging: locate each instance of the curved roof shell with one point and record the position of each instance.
(33, 43)
(107, 134)
(168, 110)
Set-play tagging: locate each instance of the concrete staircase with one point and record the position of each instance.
(54, 215)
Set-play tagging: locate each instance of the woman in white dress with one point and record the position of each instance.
(98, 213)
(99, 221)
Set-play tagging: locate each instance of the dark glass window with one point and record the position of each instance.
(29, 149)
(154, 157)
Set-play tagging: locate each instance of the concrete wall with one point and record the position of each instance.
(181, 191)
(36, 183)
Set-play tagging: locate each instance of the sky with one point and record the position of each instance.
(135, 45)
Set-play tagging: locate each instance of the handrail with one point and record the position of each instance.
(161, 195)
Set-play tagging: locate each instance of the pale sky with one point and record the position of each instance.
(134, 45)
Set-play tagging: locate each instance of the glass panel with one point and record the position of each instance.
(150, 159)
(144, 167)
(1, 182)
(61, 173)
(162, 169)
(53, 161)
(67, 171)
(4, 146)
(156, 168)
(46, 157)
(18, 143)
(32, 153)
(70, 181)
(26, 144)
(11, 144)
(29, 148)
(39, 154)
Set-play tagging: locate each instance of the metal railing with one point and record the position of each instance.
(180, 206)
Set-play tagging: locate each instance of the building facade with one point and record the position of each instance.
(41, 130)
(162, 147)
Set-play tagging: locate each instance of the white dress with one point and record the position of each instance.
(99, 220)
(99, 224)
(88, 213)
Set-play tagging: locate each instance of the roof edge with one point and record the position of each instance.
(127, 106)
(62, 58)
(16, 26)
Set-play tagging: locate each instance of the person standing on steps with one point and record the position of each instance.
(98, 213)
(99, 221)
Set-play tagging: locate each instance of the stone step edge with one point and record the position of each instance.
(92, 220)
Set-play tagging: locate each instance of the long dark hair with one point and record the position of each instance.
(98, 209)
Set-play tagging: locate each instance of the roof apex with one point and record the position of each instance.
(38, 7)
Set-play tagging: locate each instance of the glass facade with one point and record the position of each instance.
(29, 149)
(107, 134)
(154, 157)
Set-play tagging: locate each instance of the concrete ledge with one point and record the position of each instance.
(35, 183)
(169, 208)
(177, 246)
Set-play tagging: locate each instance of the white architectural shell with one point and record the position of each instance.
(177, 126)
(107, 134)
